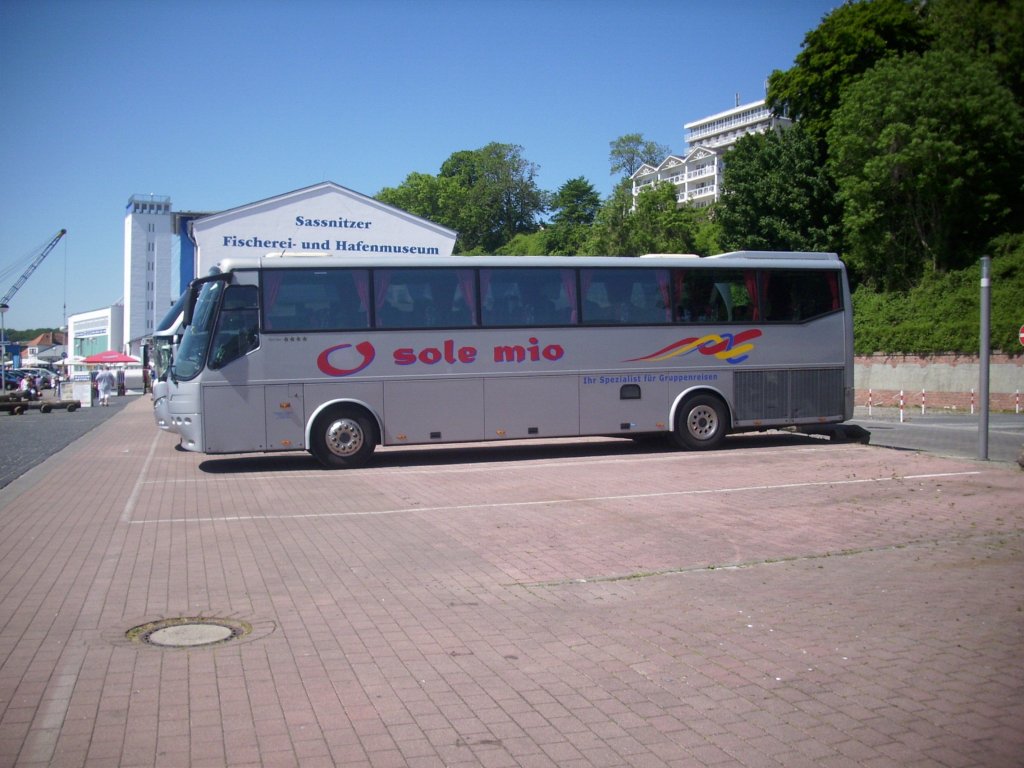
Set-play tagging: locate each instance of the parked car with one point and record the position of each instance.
(45, 378)
(12, 380)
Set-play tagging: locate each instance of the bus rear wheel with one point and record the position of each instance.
(342, 438)
(701, 423)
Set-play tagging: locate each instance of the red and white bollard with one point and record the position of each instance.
(922, 402)
(870, 394)
(1016, 408)
(901, 406)
(972, 401)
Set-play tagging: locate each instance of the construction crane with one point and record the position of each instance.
(6, 300)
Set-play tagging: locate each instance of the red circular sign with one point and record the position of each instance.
(1021, 335)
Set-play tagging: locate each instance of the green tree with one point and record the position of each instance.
(609, 233)
(574, 206)
(576, 202)
(941, 313)
(421, 195)
(848, 42)
(708, 239)
(927, 154)
(654, 225)
(659, 225)
(778, 195)
(495, 196)
(631, 151)
(533, 244)
(989, 29)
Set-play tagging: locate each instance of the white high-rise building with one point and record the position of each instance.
(148, 248)
(697, 174)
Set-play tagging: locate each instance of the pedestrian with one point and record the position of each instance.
(105, 383)
(26, 388)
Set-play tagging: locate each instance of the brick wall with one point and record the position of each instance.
(945, 380)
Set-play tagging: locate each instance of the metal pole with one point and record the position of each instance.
(986, 291)
(3, 350)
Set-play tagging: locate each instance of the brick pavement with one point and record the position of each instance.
(32, 437)
(789, 603)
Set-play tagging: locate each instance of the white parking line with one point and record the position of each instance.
(552, 502)
(133, 497)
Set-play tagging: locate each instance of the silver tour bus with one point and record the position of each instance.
(336, 355)
(162, 346)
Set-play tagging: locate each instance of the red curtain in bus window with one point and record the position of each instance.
(272, 282)
(465, 277)
(362, 283)
(586, 278)
(665, 289)
(750, 278)
(381, 281)
(678, 281)
(485, 286)
(569, 286)
(833, 286)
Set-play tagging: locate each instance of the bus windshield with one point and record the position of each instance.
(165, 339)
(196, 340)
(162, 356)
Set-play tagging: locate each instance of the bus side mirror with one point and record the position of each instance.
(189, 308)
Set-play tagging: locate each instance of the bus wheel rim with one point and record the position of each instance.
(344, 437)
(702, 422)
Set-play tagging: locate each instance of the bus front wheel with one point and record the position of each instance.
(342, 438)
(701, 423)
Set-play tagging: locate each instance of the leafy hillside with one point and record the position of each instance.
(941, 314)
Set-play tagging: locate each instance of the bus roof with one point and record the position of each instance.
(738, 259)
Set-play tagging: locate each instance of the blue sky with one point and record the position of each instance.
(218, 103)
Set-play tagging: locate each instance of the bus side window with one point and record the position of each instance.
(425, 298)
(695, 296)
(797, 296)
(237, 331)
(527, 297)
(715, 295)
(626, 296)
(394, 306)
(346, 300)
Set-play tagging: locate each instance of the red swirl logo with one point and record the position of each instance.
(365, 350)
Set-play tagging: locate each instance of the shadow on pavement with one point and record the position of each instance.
(428, 456)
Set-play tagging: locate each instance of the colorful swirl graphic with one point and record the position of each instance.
(733, 348)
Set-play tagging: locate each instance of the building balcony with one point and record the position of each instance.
(698, 193)
(700, 173)
(737, 122)
(678, 179)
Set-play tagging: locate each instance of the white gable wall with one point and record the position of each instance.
(322, 218)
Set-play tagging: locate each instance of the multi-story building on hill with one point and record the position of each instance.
(697, 174)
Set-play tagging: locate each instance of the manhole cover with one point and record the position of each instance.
(188, 632)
